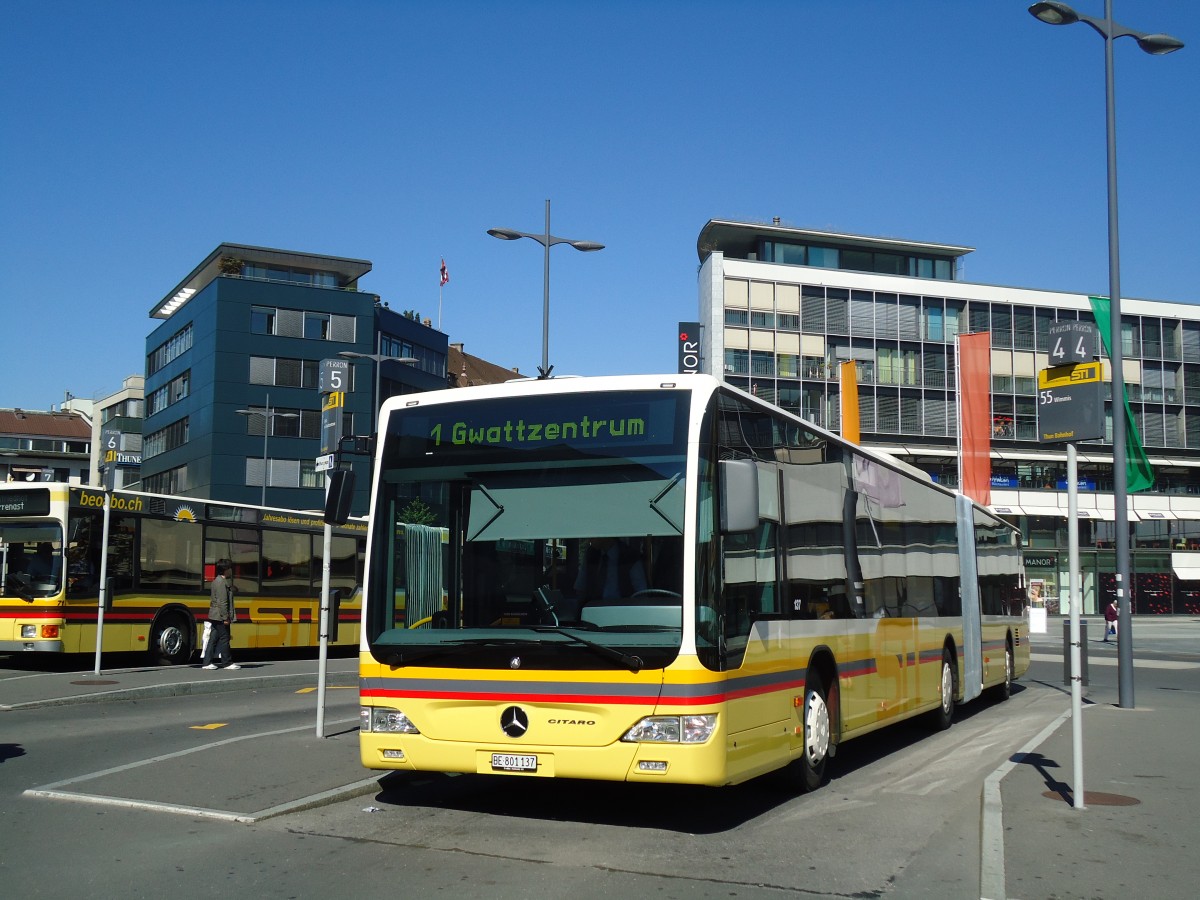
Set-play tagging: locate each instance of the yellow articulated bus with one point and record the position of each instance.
(161, 556)
(663, 579)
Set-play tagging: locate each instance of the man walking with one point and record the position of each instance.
(221, 614)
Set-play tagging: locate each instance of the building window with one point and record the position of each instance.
(262, 320)
(177, 344)
(172, 392)
(309, 476)
(737, 317)
(174, 435)
(172, 481)
(316, 326)
(287, 372)
(737, 362)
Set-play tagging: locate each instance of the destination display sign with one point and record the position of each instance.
(34, 502)
(1071, 403)
(622, 423)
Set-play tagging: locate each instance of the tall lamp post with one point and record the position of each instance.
(547, 240)
(379, 359)
(1053, 13)
(267, 415)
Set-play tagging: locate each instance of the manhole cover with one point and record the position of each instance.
(95, 681)
(1095, 798)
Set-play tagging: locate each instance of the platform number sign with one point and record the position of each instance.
(334, 376)
(1072, 342)
(110, 440)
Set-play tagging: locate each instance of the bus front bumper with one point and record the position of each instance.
(32, 645)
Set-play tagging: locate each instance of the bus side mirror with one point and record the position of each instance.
(338, 497)
(738, 485)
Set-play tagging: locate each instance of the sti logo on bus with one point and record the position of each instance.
(689, 348)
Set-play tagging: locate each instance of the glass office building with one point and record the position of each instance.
(781, 308)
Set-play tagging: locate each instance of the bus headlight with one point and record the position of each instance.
(45, 631)
(672, 730)
(385, 721)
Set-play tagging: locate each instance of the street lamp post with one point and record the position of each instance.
(547, 240)
(1053, 13)
(267, 415)
(379, 359)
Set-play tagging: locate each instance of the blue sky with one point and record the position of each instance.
(135, 137)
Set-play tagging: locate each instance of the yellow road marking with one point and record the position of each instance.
(208, 727)
(332, 687)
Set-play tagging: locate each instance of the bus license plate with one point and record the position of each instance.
(512, 762)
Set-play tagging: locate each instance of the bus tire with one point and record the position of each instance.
(941, 717)
(1002, 691)
(171, 640)
(808, 772)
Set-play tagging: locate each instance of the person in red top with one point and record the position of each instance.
(1110, 620)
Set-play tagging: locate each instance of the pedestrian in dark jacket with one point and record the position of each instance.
(1111, 614)
(222, 614)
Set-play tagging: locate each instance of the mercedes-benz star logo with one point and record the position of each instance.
(514, 722)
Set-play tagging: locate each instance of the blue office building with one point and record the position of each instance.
(232, 404)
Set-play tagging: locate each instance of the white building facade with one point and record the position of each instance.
(781, 308)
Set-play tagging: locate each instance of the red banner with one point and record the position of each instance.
(975, 415)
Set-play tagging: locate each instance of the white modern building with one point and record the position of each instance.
(781, 308)
(121, 412)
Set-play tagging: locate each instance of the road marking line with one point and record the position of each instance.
(991, 863)
(330, 687)
(53, 790)
(208, 727)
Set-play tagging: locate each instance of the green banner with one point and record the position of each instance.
(1138, 474)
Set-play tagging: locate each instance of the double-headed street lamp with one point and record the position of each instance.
(268, 415)
(1053, 13)
(379, 359)
(547, 240)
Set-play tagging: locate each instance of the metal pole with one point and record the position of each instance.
(1120, 478)
(266, 432)
(323, 656)
(103, 595)
(1073, 597)
(546, 301)
(378, 399)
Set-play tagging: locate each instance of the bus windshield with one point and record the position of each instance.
(31, 558)
(529, 528)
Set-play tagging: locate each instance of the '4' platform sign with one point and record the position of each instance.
(1072, 342)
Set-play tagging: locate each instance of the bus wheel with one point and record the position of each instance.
(808, 772)
(1003, 690)
(941, 717)
(170, 640)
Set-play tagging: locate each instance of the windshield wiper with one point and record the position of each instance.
(675, 479)
(497, 514)
(629, 661)
(449, 648)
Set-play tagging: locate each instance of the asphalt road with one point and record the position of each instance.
(900, 818)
